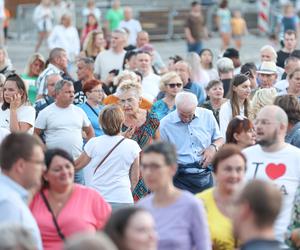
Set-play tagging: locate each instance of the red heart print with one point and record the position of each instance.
(275, 171)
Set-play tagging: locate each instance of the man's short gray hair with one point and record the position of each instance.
(186, 98)
(51, 75)
(225, 65)
(14, 237)
(60, 84)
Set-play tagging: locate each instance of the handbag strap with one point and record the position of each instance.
(93, 110)
(59, 232)
(108, 154)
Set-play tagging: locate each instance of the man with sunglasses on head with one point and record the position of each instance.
(195, 133)
(275, 161)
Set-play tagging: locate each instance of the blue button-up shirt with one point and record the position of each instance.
(14, 209)
(190, 138)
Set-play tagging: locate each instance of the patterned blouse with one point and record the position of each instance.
(161, 109)
(295, 220)
(143, 136)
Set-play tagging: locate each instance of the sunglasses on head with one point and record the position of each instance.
(173, 85)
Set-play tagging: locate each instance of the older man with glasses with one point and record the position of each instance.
(195, 133)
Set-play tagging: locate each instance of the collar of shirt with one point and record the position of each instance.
(188, 85)
(56, 69)
(15, 187)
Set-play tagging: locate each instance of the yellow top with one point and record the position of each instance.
(220, 226)
(238, 26)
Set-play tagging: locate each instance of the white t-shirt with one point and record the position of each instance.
(280, 168)
(111, 179)
(150, 85)
(66, 38)
(25, 114)
(63, 127)
(134, 27)
(225, 116)
(108, 60)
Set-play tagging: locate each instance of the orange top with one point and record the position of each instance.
(112, 99)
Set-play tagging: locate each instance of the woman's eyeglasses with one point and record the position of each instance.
(173, 85)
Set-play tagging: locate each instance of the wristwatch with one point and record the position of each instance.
(215, 146)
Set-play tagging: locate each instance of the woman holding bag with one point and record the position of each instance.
(111, 161)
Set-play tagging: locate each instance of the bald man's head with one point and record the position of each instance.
(275, 113)
(271, 126)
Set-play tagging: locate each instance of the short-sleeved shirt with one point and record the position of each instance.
(220, 226)
(181, 225)
(190, 138)
(111, 179)
(195, 25)
(93, 115)
(114, 17)
(85, 211)
(280, 168)
(25, 114)
(63, 127)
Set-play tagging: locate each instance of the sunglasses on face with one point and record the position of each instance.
(173, 85)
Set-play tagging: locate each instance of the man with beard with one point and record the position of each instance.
(275, 161)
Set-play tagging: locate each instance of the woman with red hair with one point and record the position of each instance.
(93, 105)
(240, 131)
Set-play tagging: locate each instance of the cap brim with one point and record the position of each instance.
(266, 72)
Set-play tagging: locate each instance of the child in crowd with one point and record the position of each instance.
(239, 28)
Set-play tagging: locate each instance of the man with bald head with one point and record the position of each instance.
(275, 161)
(195, 133)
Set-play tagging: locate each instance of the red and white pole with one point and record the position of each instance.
(263, 15)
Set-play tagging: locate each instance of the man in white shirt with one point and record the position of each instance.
(275, 161)
(142, 40)
(132, 25)
(22, 165)
(62, 123)
(113, 58)
(150, 82)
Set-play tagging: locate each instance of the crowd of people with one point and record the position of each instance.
(133, 154)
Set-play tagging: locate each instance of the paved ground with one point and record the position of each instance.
(20, 50)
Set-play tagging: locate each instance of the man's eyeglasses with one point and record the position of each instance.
(173, 85)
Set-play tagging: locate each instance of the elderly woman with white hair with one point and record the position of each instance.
(269, 54)
(139, 125)
(170, 84)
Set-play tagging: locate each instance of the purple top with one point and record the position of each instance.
(181, 225)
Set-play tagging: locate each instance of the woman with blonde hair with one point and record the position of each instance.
(170, 84)
(93, 44)
(139, 125)
(261, 98)
(34, 67)
(123, 76)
